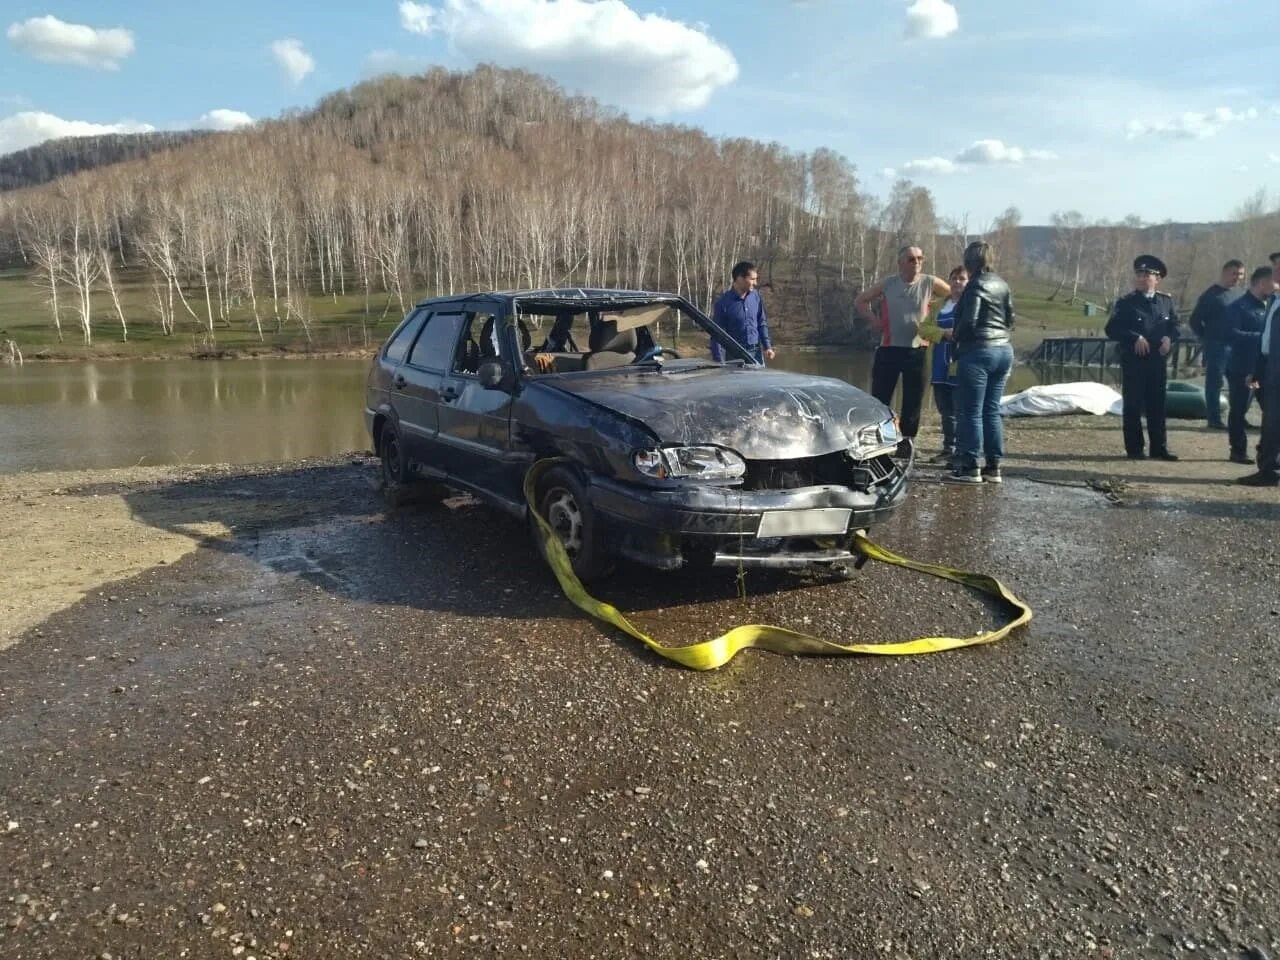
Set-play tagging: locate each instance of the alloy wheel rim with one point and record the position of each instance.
(565, 517)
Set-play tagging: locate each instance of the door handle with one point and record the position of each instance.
(449, 393)
(399, 381)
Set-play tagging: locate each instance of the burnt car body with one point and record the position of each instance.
(665, 460)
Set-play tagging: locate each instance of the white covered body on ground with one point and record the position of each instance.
(1057, 399)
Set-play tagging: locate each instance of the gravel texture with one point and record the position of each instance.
(331, 730)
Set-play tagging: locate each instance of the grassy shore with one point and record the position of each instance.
(337, 325)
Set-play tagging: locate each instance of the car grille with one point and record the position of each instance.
(834, 468)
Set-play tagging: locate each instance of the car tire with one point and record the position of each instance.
(563, 503)
(399, 486)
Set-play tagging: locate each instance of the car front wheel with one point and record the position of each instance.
(563, 503)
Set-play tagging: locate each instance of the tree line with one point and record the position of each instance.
(404, 187)
(1094, 259)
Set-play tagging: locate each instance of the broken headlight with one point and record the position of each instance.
(875, 440)
(692, 463)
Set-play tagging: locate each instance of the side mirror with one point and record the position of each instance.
(492, 375)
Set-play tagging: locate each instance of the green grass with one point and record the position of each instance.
(1040, 317)
(338, 324)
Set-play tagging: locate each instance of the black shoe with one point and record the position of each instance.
(1165, 455)
(1137, 455)
(1241, 458)
(1217, 426)
(1260, 479)
(905, 448)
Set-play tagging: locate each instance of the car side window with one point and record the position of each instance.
(480, 340)
(398, 345)
(434, 347)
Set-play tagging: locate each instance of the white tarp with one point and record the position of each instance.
(1057, 399)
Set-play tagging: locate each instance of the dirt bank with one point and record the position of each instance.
(325, 730)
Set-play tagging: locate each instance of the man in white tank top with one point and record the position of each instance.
(904, 302)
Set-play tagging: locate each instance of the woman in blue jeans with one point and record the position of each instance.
(984, 357)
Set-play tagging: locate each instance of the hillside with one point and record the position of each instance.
(52, 159)
(405, 187)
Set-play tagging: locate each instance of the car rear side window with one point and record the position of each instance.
(433, 349)
(398, 345)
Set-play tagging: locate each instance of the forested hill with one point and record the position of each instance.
(66, 155)
(404, 187)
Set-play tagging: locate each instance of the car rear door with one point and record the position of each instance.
(475, 422)
(416, 388)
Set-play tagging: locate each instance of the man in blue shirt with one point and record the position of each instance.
(739, 312)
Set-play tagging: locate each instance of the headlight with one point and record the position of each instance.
(694, 463)
(873, 441)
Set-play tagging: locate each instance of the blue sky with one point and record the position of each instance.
(1160, 108)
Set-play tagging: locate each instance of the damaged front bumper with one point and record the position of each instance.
(708, 525)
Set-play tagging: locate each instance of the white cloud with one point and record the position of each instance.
(649, 63)
(29, 128)
(980, 153)
(53, 40)
(293, 59)
(987, 152)
(417, 17)
(222, 119)
(929, 165)
(931, 20)
(1190, 125)
(380, 62)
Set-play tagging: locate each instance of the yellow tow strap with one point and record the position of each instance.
(710, 654)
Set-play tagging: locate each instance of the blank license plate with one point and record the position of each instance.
(804, 523)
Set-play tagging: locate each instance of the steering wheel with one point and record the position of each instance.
(655, 352)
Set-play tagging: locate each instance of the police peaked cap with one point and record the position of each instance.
(1148, 263)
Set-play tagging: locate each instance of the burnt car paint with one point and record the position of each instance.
(793, 430)
(762, 414)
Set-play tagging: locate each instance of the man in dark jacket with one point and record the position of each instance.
(1209, 322)
(739, 311)
(1145, 324)
(1267, 376)
(1245, 319)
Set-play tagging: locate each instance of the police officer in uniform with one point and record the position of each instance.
(1145, 325)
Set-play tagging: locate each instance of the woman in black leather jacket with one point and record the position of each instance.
(984, 357)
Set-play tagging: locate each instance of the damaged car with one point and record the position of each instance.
(665, 457)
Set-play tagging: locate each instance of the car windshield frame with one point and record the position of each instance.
(550, 303)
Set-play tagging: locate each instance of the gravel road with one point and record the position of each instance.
(325, 730)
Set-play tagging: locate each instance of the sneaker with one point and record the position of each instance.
(1260, 479)
(991, 474)
(1136, 455)
(906, 447)
(945, 457)
(1165, 455)
(963, 476)
(1241, 458)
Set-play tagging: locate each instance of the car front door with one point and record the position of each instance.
(475, 421)
(416, 390)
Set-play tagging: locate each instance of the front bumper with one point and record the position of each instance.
(710, 525)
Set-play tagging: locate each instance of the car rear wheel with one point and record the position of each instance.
(399, 486)
(563, 503)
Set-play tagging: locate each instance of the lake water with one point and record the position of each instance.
(122, 413)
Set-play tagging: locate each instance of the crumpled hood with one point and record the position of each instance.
(762, 414)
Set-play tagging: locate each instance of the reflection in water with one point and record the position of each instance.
(69, 416)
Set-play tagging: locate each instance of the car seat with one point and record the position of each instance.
(609, 347)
